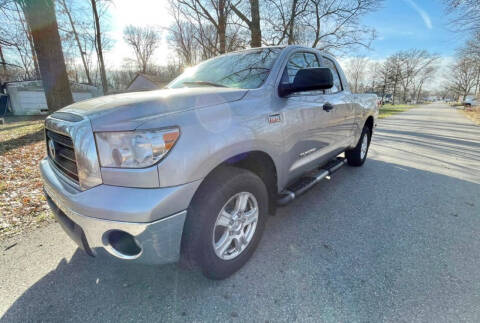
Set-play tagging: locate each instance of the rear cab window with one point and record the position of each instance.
(337, 83)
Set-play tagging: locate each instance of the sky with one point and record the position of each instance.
(400, 25)
(405, 24)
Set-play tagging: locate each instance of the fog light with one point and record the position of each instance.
(124, 244)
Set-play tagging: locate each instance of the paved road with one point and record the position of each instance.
(396, 240)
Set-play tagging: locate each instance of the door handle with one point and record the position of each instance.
(327, 107)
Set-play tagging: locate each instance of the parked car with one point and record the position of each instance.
(191, 172)
(471, 101)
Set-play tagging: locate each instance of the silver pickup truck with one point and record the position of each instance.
(191, 172)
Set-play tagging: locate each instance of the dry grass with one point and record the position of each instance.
(22, 204)
(473, 114)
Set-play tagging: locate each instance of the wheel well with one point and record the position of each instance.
(261, 164)
(369, 123)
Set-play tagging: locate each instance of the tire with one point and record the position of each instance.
(203, 225)
(355, 157)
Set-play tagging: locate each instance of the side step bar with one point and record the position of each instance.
(307, 182)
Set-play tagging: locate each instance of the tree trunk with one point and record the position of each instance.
(317, 28)
(2, 62)
(477, 86)
(98, 43)
(4, 69)
(77, 39)
(253, 24)
(255, 30)
(34, 55)
(291, 23)
(394, 90)
(383, 93)
(41, 20)
(222, 26)
(419, 91)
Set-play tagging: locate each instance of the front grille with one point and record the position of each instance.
(61, 152)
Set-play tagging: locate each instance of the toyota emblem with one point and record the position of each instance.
(51, 148)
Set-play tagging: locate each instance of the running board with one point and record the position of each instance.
(307, 182)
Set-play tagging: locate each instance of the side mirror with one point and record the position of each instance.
(309, 79)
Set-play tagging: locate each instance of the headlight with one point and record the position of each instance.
(134, 149)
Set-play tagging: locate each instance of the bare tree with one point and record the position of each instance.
(28, 34)
(17, 43)
(325, 24)
(211, 25)
(144, 41)
(413, 62)
(394, 67)
(355, 69)
(41, 20)
(335, 24)
(384, 75)
(282, 18)
(462, 77)
(424, 75)
(81, 49)
(216, 12)
(253, 22)
(98, 45)
(465, 15)
(472, 50)
(181, 36)
(374, 76)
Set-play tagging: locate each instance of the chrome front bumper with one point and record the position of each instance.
(107, 208)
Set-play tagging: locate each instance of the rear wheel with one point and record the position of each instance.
(358, 155)
(225, 222)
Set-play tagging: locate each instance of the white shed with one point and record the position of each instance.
(146, 82)
(28, 97)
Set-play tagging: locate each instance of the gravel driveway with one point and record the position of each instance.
(395, 240)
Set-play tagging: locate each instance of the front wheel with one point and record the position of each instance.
(225, 222)
(358, 155)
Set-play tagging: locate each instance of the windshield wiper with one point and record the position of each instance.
(204, 83)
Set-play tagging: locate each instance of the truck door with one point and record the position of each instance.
(343, 108)
(311, 131)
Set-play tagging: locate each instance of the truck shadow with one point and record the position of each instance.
(354, 248)
(21, 141)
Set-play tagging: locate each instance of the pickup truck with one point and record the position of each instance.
(191, 172)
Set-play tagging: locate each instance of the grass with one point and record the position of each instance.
(22, 204)
(389, 109)
(473, 114)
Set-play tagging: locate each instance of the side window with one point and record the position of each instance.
(337, 84)
(297, 62)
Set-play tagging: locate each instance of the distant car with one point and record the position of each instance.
(387, 100)
(471, 101)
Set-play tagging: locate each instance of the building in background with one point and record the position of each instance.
(28, 97)
(146, 82)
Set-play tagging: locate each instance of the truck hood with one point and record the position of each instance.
(129, 110)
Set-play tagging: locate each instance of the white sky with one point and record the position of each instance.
(138, 13)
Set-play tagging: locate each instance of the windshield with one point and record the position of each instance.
(245, 70)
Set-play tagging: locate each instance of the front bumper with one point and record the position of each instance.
(154, 218)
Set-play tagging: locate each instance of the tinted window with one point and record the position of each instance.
(297, 62)
(247, 70)
(337, 84)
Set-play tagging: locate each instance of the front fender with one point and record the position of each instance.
(211, 136)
